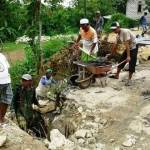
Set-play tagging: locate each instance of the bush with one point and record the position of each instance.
(124, 21)
(60, 21)
(55, 44)
(22, 67)
(28, 65)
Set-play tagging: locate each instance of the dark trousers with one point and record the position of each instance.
(132, 63)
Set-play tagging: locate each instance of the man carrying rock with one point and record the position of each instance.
(6, 94)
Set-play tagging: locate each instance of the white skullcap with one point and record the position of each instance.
(27, 77)
(84, 21)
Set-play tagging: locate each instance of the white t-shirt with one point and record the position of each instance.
(127, 35)
(4, 74)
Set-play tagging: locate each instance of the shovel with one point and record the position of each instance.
(87, 52)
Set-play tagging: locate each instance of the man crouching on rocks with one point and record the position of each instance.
(126, 37)
(27, 118)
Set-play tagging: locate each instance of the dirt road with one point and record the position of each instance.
(117, 116)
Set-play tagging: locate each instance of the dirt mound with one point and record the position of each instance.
(62, 61)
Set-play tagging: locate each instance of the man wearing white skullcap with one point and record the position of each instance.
(89, 39)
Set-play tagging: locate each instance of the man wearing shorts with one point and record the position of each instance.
(6, 94)
(127, 38)
(143, 22)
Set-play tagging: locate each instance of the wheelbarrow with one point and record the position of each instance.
(87, 72)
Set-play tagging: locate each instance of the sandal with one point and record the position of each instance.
(113, 76)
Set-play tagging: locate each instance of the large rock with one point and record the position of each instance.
(2, 140)
(58, 140)
(17, 139)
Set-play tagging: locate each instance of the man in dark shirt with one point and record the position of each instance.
(98, 23)
(143, 22)
(24, 97)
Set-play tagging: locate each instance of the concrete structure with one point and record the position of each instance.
(136, 8)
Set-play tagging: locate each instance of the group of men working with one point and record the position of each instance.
(89, 38)
(25, 94)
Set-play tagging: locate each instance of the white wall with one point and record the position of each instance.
(132, 9)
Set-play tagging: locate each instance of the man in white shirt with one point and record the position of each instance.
(6, 94)
(128, 39)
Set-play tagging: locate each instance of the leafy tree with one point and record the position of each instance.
(12, 19)
(148, 4)
(120, 5)
(33, 18)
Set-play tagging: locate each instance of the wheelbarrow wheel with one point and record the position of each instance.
(85, 84)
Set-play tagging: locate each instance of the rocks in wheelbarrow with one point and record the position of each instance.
(100, 61)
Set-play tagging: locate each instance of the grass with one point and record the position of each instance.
(52, 46)
(12, 46)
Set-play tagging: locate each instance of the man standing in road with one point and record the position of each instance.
(143, 22)
(6, 94)
(125, 37)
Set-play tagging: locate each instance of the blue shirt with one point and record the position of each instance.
(143, 20)
(45, 81)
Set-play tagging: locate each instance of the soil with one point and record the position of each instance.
(15, 56)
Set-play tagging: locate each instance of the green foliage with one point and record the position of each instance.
(21, 67)
(12, 16)
(120, 5)
(11, 46)
(17, 19)
(28, 64)
(124, 21)
(60, 21)
(16, 71)
(148, 4)
(55, 44)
